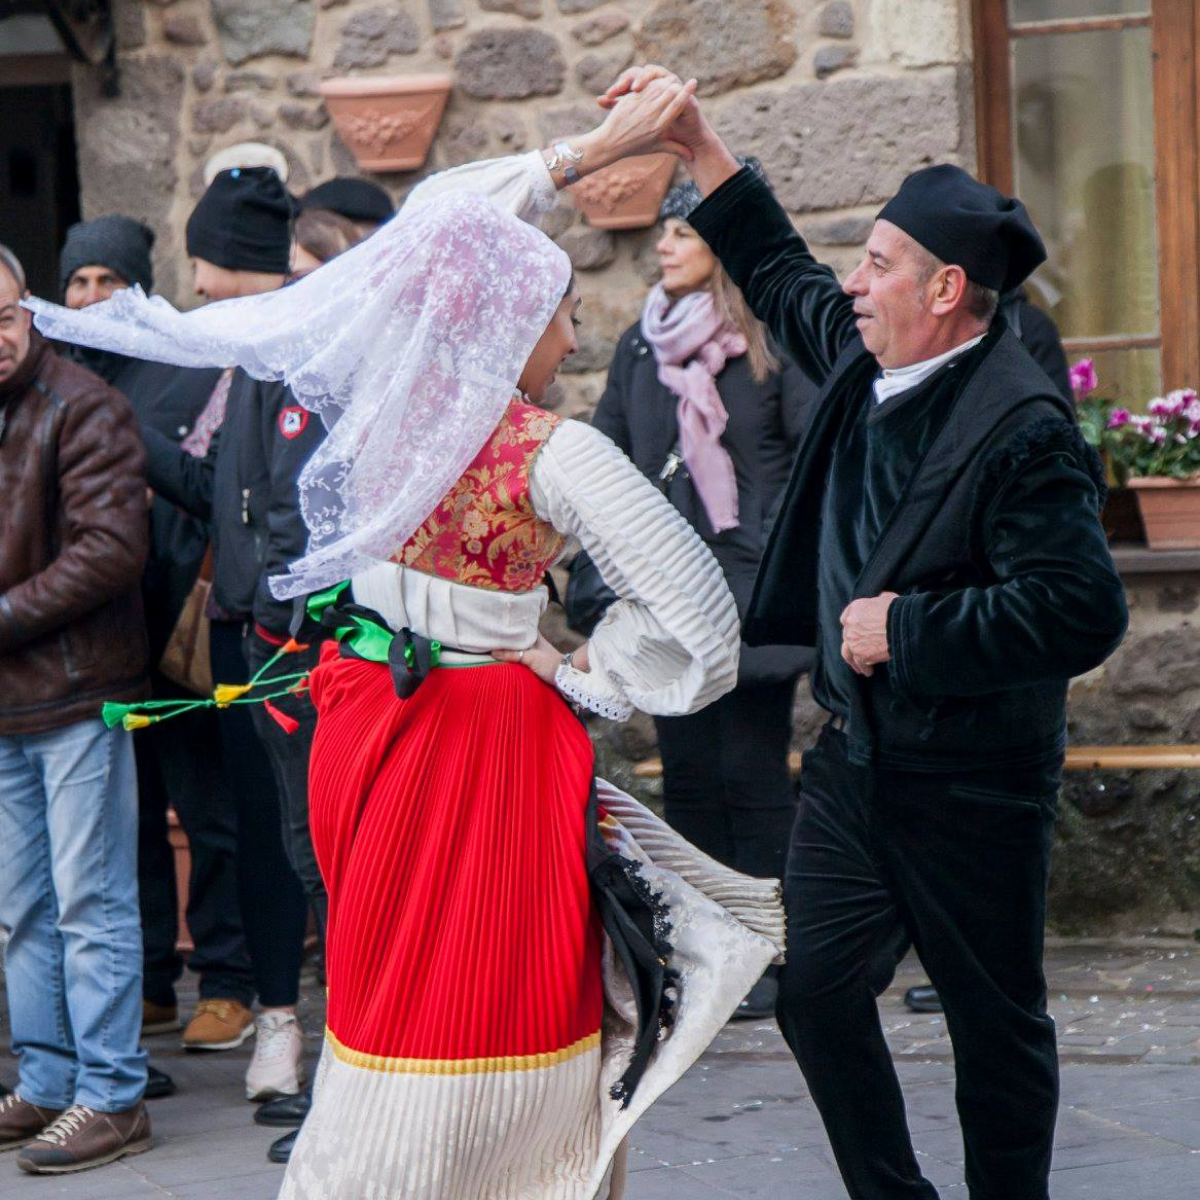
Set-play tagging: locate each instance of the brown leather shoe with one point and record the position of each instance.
(83, 1138)
(218, 1025)
(159, 1018)
(21, 1121)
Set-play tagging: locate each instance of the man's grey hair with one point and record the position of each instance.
(12, 264)
(979, 301)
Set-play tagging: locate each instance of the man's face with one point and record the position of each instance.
(15, 324)
(891, 298)
(90, 285)
(213, 282)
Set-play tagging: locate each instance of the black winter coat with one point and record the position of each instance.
(167, 399)
(1006, 585)
(766, 424)
(245, 488)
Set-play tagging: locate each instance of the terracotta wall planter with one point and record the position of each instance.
(1170, 512)
(626, 195)
(387, 122)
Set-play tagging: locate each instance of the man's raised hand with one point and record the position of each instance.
(641, 120)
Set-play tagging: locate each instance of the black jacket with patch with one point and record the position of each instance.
(1007, 588)
(245, 488)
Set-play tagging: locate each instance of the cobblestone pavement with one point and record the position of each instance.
(741, 1124)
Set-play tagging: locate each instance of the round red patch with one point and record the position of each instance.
(292, 421)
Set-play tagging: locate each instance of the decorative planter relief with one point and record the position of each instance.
(626, 195)
(1170, 511)
(388, 123)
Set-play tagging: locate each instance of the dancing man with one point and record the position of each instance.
(940, 545)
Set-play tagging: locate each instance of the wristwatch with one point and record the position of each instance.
(562, 158)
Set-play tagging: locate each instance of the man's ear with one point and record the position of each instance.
(949, 288)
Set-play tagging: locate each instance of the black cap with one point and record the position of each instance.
(354, 199)
(680, 202)
(968, 224)
(119, 243)
(244, 222)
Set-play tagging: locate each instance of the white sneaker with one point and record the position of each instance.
(276, 1068)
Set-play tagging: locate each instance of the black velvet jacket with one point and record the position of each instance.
(1007, 588)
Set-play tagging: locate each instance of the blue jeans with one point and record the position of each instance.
(69, 899)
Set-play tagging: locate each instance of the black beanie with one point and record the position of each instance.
(354, 199)
(968, 224)
(244, 222)
(121, 244)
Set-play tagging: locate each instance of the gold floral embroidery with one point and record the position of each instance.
(485, 532)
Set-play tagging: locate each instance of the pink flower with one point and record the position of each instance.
(1120, 417)
(1169, 408)
(1083, 378)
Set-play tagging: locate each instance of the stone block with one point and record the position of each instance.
(579, 6)
(303, 116)
(183, 29)
(829, 59)
(592, 31)
(204, 75)
(917, 33)
(129, 24)
(847, 142)
(249, 81)
(604, 320)
(371, 36)
(566, 120)
(596, 71)
(529, 9)
(560, 218)
(588, 249)
(304, 83)
(836, 20)
(510, 64)
(839, 231)
(127, 146)
(250, 28)
(446, 14)
(218, 116)
(1160, 664)
(263, 115)
(723, 45)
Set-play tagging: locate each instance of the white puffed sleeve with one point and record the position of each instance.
(670, 644)
(519, 184)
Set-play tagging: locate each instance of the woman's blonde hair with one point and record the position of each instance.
(732, 306)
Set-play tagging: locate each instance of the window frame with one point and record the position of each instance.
(1174, 31)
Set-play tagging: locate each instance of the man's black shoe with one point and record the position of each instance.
(922, 999)
(285, 1111)
(281, 1149)
(158, 1084)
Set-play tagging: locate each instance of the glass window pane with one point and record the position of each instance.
(1084, 164)
(1130, 377)
(1070, 10)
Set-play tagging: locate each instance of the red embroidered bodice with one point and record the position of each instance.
(484, 532)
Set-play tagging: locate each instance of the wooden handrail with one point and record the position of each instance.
(1079, 758)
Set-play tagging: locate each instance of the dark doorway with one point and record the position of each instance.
(39, 184)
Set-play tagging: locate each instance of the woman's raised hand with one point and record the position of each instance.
(642, 119)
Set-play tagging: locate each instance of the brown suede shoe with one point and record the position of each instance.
(159, 1018)
(21, 1121)
(218, 1025)
(83, 1138)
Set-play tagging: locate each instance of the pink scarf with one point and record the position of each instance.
(691, 344)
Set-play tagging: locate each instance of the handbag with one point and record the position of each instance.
(185, 659)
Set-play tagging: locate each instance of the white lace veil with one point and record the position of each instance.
(409, 346)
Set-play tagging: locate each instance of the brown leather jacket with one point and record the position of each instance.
(73, 541)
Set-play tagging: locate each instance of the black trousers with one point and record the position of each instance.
(179, 765)
(288, 754)
(726, 785)
(273, 906)
(959, 865)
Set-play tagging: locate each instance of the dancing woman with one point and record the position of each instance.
(494, 1022)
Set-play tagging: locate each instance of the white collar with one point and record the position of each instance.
(902, 379)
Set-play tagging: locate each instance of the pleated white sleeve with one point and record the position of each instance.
(670, 644)
(519, 184)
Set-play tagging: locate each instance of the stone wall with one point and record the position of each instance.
(838, 98)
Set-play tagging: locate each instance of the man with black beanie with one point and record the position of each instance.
(178, 765)
(358, 200)
(244, 486)
(939, 543)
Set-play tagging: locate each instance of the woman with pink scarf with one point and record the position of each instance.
(705, 406)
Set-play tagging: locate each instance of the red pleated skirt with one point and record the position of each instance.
(450, 832)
